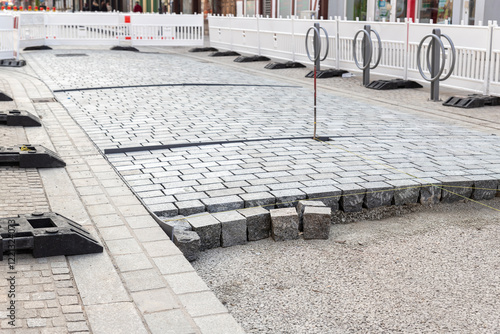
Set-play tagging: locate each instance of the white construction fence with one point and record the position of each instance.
(477, 66)
(24, 29)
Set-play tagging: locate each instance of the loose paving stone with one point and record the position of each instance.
(234, 228)
(188, 243)
(175, 223)
(352, 197)
(405, 191)
(317, 221)
(301, 205)
(255, 199)
(284, 224)
(208, 229)
(224, 203)
(377, 194)
(258, 223)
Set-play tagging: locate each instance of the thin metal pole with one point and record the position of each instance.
(435, 62)
(366, 56)
(316, 42)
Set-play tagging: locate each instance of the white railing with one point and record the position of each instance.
(85, 28)
(8, 45)
(478, 48)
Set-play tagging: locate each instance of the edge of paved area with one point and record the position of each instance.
(141, 283)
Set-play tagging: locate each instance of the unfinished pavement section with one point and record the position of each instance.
(374, 145)
(140, 284)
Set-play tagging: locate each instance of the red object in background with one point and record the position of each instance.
(410, 11)
(127, 18)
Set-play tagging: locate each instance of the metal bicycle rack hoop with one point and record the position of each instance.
(367, 50)
(434, 65)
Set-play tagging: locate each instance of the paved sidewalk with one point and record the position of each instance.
(195, 99)
(140, 284)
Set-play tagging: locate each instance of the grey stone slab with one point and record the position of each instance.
(352, 197)
(258, 223)
(188, 208)
(120, 318)
(149, 301)
(284, 224)
(218, 324)
(208, 228)
(264, 199)
(188, 243)
(328, 194)
(143, 280)
(485, 187)
(377, 194)
(455, 188)
(288, 197)
(224, 203)
(172, 321)
(233, 228)
(164, 209)
(405, 191)
(317, 221)
(97, 280)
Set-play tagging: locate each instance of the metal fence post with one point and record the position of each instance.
(316, 46)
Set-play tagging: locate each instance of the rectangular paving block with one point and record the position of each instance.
(301, 205)
(234, 228)
(263, 199)
(317, 221)
(288, 197)
(377, 194)
(258, 223)
(208, 228)
(224, 203)
(164, 209)
(188, 208)
(189, 243)
(284, 224)
(352, 197)
(485, 187)
(327, 194)
(455, 188)
(405, 191)
(430, 193)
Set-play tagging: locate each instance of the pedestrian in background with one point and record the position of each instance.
(95, 6)
(103, 7)
(137, 7)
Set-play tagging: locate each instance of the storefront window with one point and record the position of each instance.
(401, 7)
(439, 11)
(472, 12)
(285, 8)
(250, 7)
(301, 6)
(356, 8)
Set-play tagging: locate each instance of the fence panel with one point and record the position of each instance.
(220, 32)
(472, 63)
(166, 29)
(31, 30)
(494, 77)
(8, 47)
(393, 38)
(82, 28)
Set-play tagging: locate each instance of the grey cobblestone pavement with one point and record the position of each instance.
(370, 142)
(141, 283)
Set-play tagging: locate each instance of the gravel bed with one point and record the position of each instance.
(434, 270)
